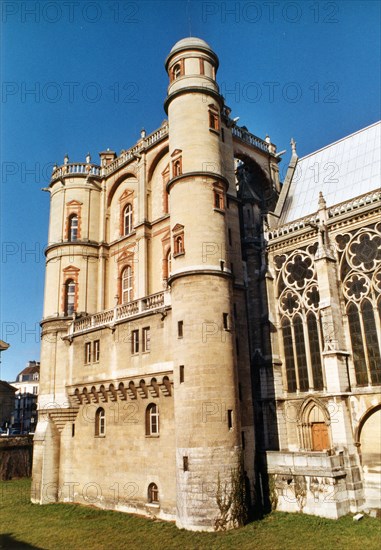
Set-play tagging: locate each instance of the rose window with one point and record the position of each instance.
(365, 251)
(299, 270)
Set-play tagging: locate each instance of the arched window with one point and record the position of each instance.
(152, 419)
(176, 71)
(100, 422)
(153, 493)
(373, 350)
(69, 297)
(301, 357)
(289, 355)
(177, 168)
(73, 228)
(357, 346)
(127, 286)
(127, 219)
(313, 336)
(179, 244)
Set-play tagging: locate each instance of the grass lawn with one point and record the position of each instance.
(70, 526)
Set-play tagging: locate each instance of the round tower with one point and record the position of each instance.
(206, 411)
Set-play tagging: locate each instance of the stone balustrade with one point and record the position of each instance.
(112, 316)
(249, 138)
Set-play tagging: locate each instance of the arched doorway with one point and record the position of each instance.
(370, 448)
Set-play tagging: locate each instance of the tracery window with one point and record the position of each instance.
(300, 323)
(360, 272)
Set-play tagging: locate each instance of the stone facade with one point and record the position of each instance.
(166, 377)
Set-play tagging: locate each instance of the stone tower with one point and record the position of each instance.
(72, 259)
(207, 421)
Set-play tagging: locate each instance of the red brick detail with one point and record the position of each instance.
(165, 179)
(70, 273)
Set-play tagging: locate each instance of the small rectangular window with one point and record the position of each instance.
(180, 329)
(235, 310)
(135, 341)
(230, 236)
(185, 464)
(225, 321)
(181, 374)
(243, 440)
(214, 121)
(222, 134)
(237, 346)
(96, 349)
(73, 430)
(146, 339)
(87, 353)
(230, 419)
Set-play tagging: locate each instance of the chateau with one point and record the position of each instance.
(200, 314)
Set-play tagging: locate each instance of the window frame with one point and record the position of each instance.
(100, 422)
(135, 342)
(146, 339)
(128, 219)
(153, 494)
(127, 284)
(152, 420)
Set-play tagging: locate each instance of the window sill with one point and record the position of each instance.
(146, 351)
(220, 210)
(214, 131)
(153, 436)
(100, 436)
(179, 254)
(155, 505)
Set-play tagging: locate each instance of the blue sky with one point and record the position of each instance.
(81, 76)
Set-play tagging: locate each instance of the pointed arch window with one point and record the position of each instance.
(69, 297)
(127, 285)
(358, 353)
(100, 422)
(127, 219)
(301, 357)
(315, 352)
(289, 355)
(73, 228)
(371, 340)
(152, 419)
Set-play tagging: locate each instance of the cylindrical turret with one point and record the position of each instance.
(207, 423)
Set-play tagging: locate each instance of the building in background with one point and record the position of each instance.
(7, 403)
(207, 328)
(25, 403)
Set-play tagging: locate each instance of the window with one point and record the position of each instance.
(225, 321)
(181, 374)
(153, 493)
(177, 167)
(69, 297)
(180, 327)
(230, 419)
(179, 244)
(96, 348)
(87, 353)
(146, 339)
(214, 120)
(152, 419)
(185, 464)
(127, 287)
(218, 198)
(230, 236)
(35, 390)
(73, 228)
(135, 341)
(289, 356)
(127, 219)
(100, 422)
(176, 71)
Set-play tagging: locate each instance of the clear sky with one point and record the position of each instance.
(81, 76)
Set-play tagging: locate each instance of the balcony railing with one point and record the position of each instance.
(251, 139)
(76, 168)
(110, 317)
